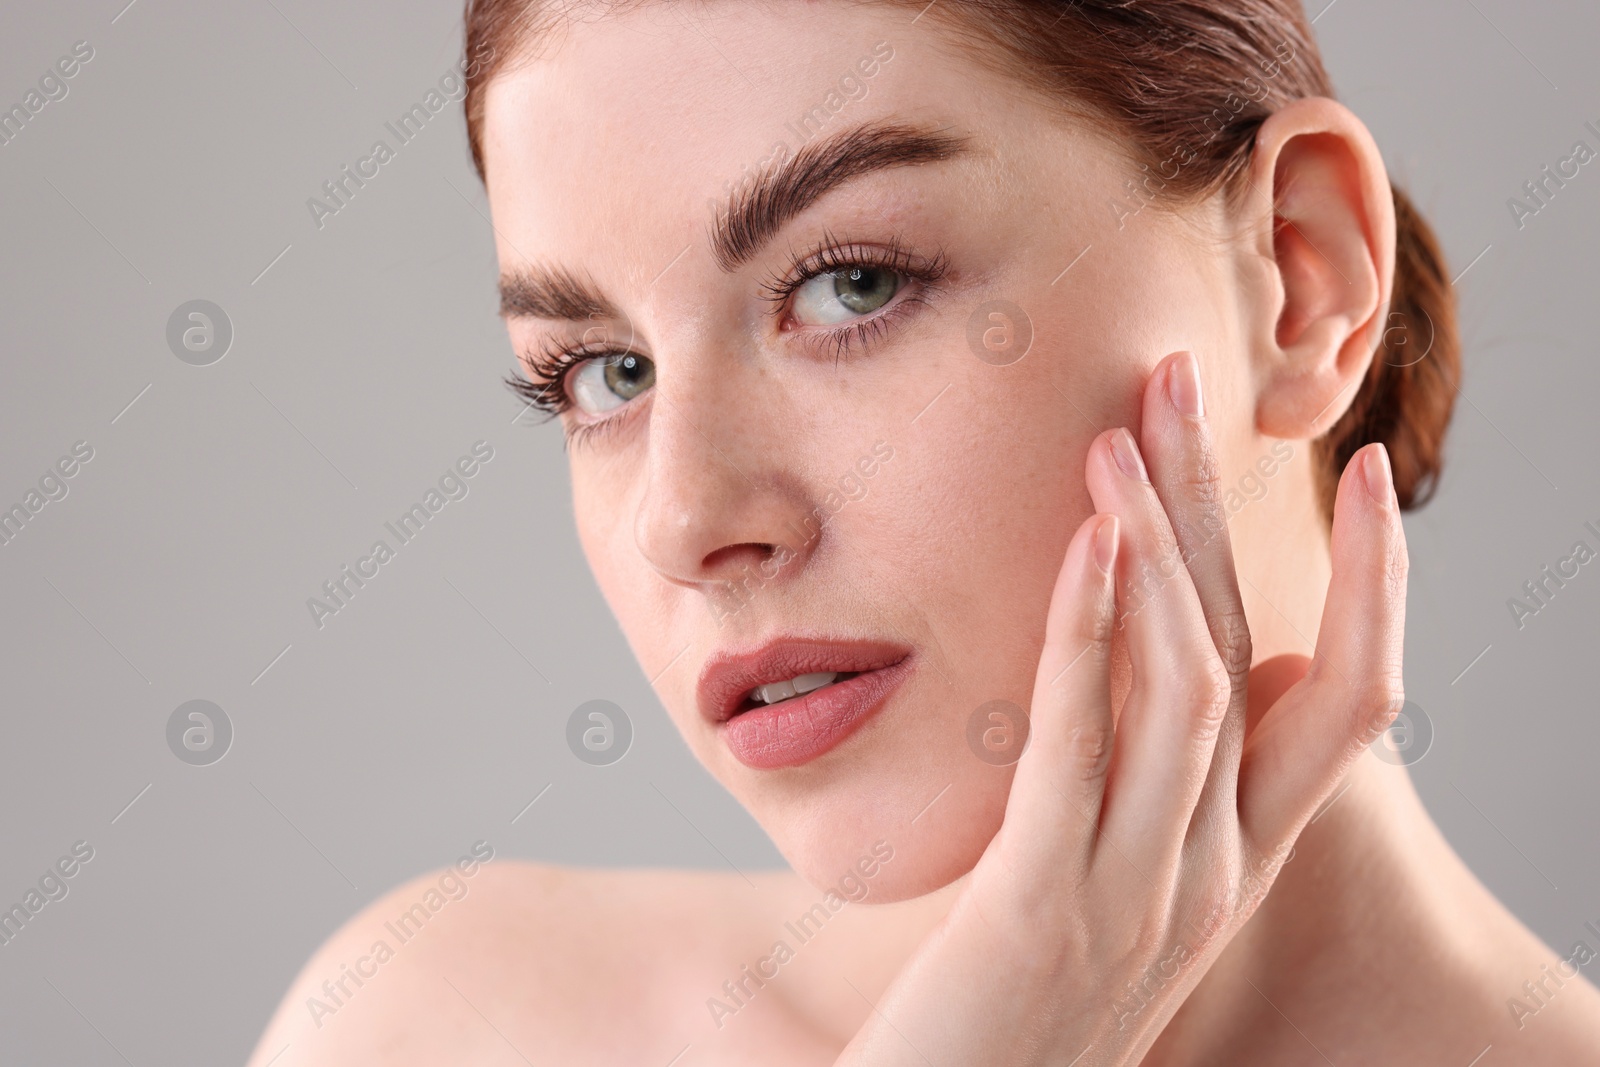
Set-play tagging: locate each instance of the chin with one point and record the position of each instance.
(861, 819)
(902, 805)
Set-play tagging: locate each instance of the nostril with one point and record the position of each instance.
(735, 557)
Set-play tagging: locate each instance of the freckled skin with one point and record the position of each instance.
(989, 475)
(601, 157)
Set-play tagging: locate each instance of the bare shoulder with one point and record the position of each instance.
(1553, 1017)
(460, 964)
(1512, 998)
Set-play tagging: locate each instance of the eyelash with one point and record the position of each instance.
(553, 361)
(547, 389)
(829, 257)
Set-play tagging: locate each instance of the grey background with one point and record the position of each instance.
(428, 713)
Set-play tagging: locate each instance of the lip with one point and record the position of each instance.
(799, 730)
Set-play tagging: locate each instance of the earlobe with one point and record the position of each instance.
(1318, 175)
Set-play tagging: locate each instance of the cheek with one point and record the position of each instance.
(631, 590)
(989, 492)
(600, 530)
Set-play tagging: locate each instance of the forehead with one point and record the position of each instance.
(641, 121)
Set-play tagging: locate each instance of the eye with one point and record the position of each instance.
(841, 295)
(604, 383)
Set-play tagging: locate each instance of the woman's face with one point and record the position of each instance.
(829, 434)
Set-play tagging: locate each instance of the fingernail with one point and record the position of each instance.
(1105, 544)
(1380, 478)
(1183, 385)
(1126, 453)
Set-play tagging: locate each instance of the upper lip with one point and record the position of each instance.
(727, 677)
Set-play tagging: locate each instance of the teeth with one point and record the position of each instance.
(807, 682)
(774, 692)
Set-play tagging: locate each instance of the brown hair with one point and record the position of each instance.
(1184, 85)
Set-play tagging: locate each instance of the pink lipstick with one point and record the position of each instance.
(790, 700)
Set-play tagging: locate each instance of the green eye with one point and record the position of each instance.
(839, 296)
(607, 382)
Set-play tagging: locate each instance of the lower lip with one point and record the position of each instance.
(798, 730)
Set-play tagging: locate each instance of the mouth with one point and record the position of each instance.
(765, 696)
(788, 701)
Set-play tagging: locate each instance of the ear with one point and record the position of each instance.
(1318, 178)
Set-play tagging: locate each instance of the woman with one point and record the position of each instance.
(835, 301)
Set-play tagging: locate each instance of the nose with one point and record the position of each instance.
(721, 504)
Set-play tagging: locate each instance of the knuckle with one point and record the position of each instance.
(1203, 520)
(1211, 693)
(1380, 701)
(1201, 476)
(1396, 569)
(1089, 745)
(1396, 561)
(1099, 628)
(1231, 634)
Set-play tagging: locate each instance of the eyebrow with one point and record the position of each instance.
(759, 209)
(551, 293)
(754, 214)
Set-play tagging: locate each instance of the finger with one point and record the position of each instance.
(1183, 465)
(1179, 694)
(1060, 778)
(1354, 687)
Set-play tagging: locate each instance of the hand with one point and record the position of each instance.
(1136, 844)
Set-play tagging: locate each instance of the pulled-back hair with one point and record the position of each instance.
(1183, 85)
